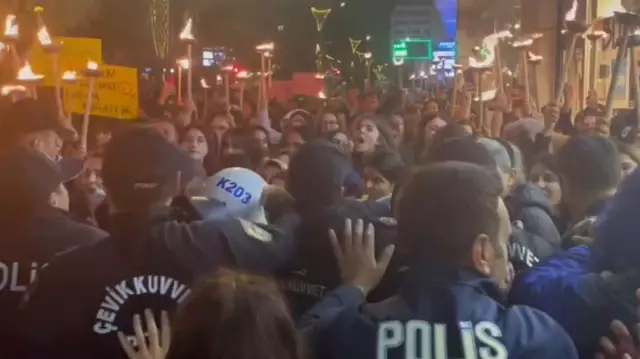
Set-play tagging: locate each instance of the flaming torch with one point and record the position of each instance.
(11, 32)
(11, 36)
(226, 70)
(269, 57)
(28, 79)
(480, 67)
(242, 77)
(92, 72)
(368, 58)
(205, 87)
(263, 49)
(69, 78)
(53, 49)
(454, 91)
(183, 64)
(634, 40)
(594, 36)
(575, 28)
(535, 60)
(186, 36)
(523, 44)
(8, 90)
(628, 21)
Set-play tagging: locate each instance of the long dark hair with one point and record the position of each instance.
(235, 315)
(209, 161)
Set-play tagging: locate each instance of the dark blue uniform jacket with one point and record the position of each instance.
(586, 287)
(453, 313)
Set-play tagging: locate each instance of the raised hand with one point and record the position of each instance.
(157, 346)
(356, 256)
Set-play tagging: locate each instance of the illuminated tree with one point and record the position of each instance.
(159, 16)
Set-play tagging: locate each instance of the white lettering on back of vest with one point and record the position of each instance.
(116, 296)
(13, 278)
(424, 340)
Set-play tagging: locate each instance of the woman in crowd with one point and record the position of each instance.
(381, 173)
(252, 305)
(201, 147)
(544, 175)
(220, 123)
(329, 122)
(426, 130)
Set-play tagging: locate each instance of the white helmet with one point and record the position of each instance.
(232, 192)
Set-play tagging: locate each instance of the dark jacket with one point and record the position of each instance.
(26, 245)
(459, 313)
(83, 298)
(586, 287)
(534, 236)
(313, 271)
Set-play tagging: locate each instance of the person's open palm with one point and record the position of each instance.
(356, 256)
(625, 347)
(157, 346)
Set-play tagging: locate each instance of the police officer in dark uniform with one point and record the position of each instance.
(316, 177)
(85, 297)
(35, 226)
(453, 220)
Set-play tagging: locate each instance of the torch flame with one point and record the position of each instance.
(412, 77)
(265, 47)
(319, 76)
(637, 32)
(25, 73)
(321, 95)
(367, 55)
(183, 63)
(204, 84)
(227, 68)
(489, 44)
(614, 7)
(486, 95)
(242, 75)
(8, 89)
(10, 26)
(523, 42)
(43, 37)
(92, 65)
(571, 14)
(2, 46)
(533, 57)
(69, 76)
(536, 36)
(423, 74)
(187, 31)
(598, 34)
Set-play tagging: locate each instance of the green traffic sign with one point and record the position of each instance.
(413, 50)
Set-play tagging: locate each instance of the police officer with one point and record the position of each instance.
(452, 218)
(316, 177)
(35, 226)
(85, 297)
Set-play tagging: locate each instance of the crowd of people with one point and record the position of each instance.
(387, 224)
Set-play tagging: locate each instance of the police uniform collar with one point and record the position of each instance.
(428, 277)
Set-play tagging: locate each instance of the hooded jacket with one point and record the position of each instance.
(313, 271)
(534, 236)
(458, 312)
(586, 287)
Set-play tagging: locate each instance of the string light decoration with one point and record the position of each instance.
(160, 22)
(321, 17)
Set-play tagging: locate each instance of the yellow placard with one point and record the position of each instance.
(75, 53)
(115, 94)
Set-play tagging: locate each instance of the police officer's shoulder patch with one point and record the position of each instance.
(254, 231)
(388, 221)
